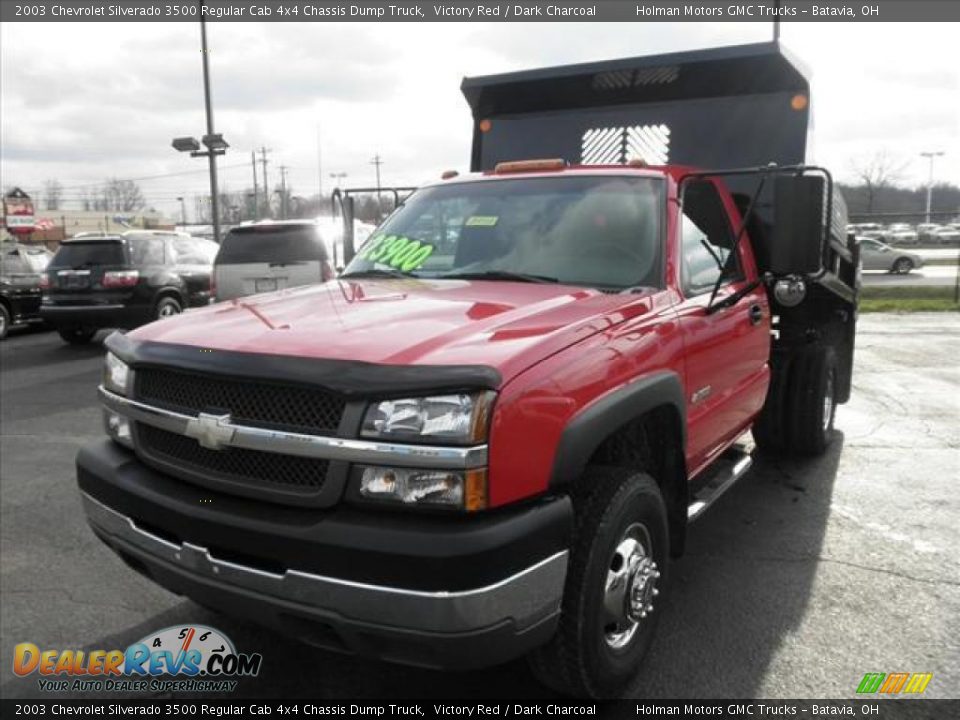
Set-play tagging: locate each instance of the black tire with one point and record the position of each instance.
(813, 384)
(797, 418)
(4, 321)
(76, 336)
(609, 505)
(167, 307)
(903, 266)
(769, 429)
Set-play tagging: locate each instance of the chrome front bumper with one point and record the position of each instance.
(525, 600)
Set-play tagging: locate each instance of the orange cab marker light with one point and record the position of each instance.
(475, 492)
(485, 125)
(520, 166)
(799, 101)
(448, 174)
(638, 163)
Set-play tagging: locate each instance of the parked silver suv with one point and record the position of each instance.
(270, 255)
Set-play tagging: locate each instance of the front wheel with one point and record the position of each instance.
(614, 588)
(77, 336)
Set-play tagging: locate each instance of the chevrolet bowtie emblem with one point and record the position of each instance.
(211, 431)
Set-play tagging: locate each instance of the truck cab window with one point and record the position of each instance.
(707, 240)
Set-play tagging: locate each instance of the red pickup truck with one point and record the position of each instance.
(488, 436)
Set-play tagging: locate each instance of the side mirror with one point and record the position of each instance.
(799, 230)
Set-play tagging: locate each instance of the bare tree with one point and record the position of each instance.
(52, 194)
(876, 172)
(123, 195)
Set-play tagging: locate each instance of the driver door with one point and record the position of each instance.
(726, 351)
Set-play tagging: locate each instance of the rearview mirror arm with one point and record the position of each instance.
(736, 240)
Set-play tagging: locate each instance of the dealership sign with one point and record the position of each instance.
(18, 212)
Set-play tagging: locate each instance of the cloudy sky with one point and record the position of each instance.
(82, 102)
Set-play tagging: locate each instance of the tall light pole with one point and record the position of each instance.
(930, 156)
(214, 142)
(214, 193)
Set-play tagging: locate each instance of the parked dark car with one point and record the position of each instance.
(123, 281)
(20, 269)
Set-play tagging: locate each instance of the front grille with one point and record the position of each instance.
(258, 404)
(255, 469)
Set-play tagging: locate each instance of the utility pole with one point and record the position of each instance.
(319, 171)
(266, 185)
(930, 156)
(377, 162)
(776, 21)
(256, 194)
(283, 192)
(183, 211)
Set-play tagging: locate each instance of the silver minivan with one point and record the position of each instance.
(270, 255)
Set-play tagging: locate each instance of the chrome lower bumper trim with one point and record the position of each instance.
(527, 597)
(368, 452)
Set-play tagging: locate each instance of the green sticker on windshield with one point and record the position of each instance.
(482, 220)
(396, 251)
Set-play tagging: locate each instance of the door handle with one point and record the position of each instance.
(756, 314)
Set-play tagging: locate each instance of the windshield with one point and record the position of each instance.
(76, 254)
(598, 231)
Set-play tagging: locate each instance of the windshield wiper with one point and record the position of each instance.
(498, 275)
(377, 272)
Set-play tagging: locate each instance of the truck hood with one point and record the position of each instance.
(504, 325)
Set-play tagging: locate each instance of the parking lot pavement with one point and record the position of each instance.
(802, 578)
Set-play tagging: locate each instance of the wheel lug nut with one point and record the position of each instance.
(655, 592)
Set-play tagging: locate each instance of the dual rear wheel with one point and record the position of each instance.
(797, 418)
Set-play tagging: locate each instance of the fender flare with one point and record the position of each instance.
(593, 424)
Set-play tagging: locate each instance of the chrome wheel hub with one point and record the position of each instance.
(630, 587)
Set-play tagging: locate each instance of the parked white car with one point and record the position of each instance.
(902, 237)
(946, 236)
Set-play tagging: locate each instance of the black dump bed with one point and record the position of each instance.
(729, 107)
(720, 109)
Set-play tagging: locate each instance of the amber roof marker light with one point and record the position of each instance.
(522, 166)
(485, 125)
(799, 101)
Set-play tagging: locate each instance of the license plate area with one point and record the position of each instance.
(265, 284)
(74, 279)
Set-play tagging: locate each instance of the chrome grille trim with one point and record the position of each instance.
(368, 452)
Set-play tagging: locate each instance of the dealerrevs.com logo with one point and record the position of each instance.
(193, 658)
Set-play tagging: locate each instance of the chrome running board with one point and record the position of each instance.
(726, 470)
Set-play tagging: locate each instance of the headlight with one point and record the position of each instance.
(115, 374)
(461, 419)
(459, 490)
